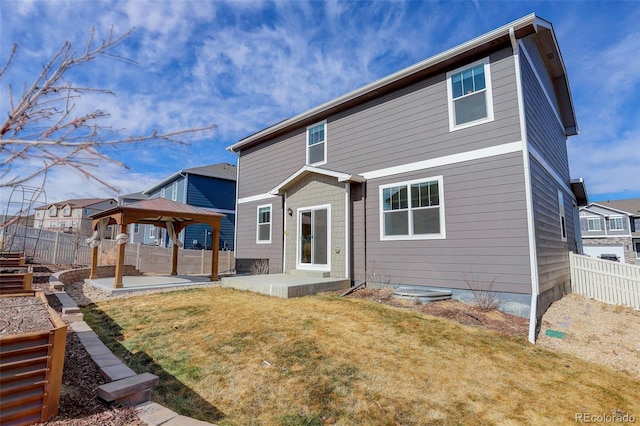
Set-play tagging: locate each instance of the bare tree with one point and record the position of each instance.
(42, 123)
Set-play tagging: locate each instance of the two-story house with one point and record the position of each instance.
(450, 174)
(612, 228)
(212, 187)
(71, 215)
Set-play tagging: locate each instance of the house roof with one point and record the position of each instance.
(500, 37)
(224, 171)
(630, 205)
(76, 203)
(133, 196)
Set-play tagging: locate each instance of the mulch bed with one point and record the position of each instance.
(24, 314)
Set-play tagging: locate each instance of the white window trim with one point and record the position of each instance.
(439, 236)
(326, 137)
(258, 241)
(53, 211)
(174, 191)
(488, 91)
(615, 217)
(152, 233)
(590, 218)
(562, 217)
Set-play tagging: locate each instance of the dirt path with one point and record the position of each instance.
(594, 331)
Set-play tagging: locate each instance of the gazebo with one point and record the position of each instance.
(171, 215)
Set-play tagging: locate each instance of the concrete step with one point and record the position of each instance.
(130, 391)
(305, 273)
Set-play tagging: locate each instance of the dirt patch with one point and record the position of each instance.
(454, 310)
(594, 331)
(23, 314)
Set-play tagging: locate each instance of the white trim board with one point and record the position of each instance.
(253, 198)
(477, 154)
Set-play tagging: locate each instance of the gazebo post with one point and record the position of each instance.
(93, 272)
(215, 236)
(120, 248)
(174, 260)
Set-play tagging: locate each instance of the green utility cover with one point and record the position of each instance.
(556, 334)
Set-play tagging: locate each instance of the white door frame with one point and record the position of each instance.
(307, 266)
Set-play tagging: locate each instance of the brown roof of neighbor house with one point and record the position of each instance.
(76, 203)
(630, 205)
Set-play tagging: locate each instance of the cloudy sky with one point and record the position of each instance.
(245, 65)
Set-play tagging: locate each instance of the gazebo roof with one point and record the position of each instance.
(157, 211)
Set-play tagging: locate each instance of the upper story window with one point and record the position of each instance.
(412, 210)
(152, 231)
(174, 191)
(263, 234)
(317, 144)
(66, 211)
(136, 228)
(470, 96)
(39, 213)
(87, 212)
(53, 211)
(616, 223)
(594, 224)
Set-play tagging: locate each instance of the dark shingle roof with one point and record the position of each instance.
(221, 170)
(630, 205)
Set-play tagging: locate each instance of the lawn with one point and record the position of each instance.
(238, 358)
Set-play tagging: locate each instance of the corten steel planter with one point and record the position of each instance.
(15, 279)
(31, 371)
(12, 259)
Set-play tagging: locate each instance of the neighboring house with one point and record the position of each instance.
(612, 227)
(452, 173)
(212, 187)
(71, 215)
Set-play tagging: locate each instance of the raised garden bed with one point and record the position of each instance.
(15, 279)
(32, 346)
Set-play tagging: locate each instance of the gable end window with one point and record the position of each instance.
(470, 96)
(412, 210)
(594, 224)
(263, 232)
(317, 144)
(53, 211)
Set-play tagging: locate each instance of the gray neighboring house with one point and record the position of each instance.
(450, 174)
(612, 227)
(212, 187)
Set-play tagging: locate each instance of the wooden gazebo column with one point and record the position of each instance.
(93, 272)
(120, 249)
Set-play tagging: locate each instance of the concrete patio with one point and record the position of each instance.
(286, 285)
(150, 282)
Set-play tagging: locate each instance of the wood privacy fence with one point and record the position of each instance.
(58, 247)
(606, 281)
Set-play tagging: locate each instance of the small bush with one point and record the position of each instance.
(260, 267)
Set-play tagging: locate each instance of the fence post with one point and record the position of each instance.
(54, 253)
(138, 256)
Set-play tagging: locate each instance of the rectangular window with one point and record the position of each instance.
(39, 213)
(87, 212)
(470, 96)
(593, 224)
(136, 228)
(263, 233)
(66, 211)
(317, 144)
(174, 191)
(616, 224)
(53, 224)
(563, 223)
(412, 210)
(53, 211)
(152, 231)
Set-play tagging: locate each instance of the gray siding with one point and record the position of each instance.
(246, 247)
(546, 135)
(405, 126)
(485, 215)
(540, 67)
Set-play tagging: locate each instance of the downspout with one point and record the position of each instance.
(347, 230)
(533, 261)
(235, 216)
(284, 232)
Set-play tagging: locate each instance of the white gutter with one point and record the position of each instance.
(530, 19)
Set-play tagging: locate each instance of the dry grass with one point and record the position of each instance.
(239, 358)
